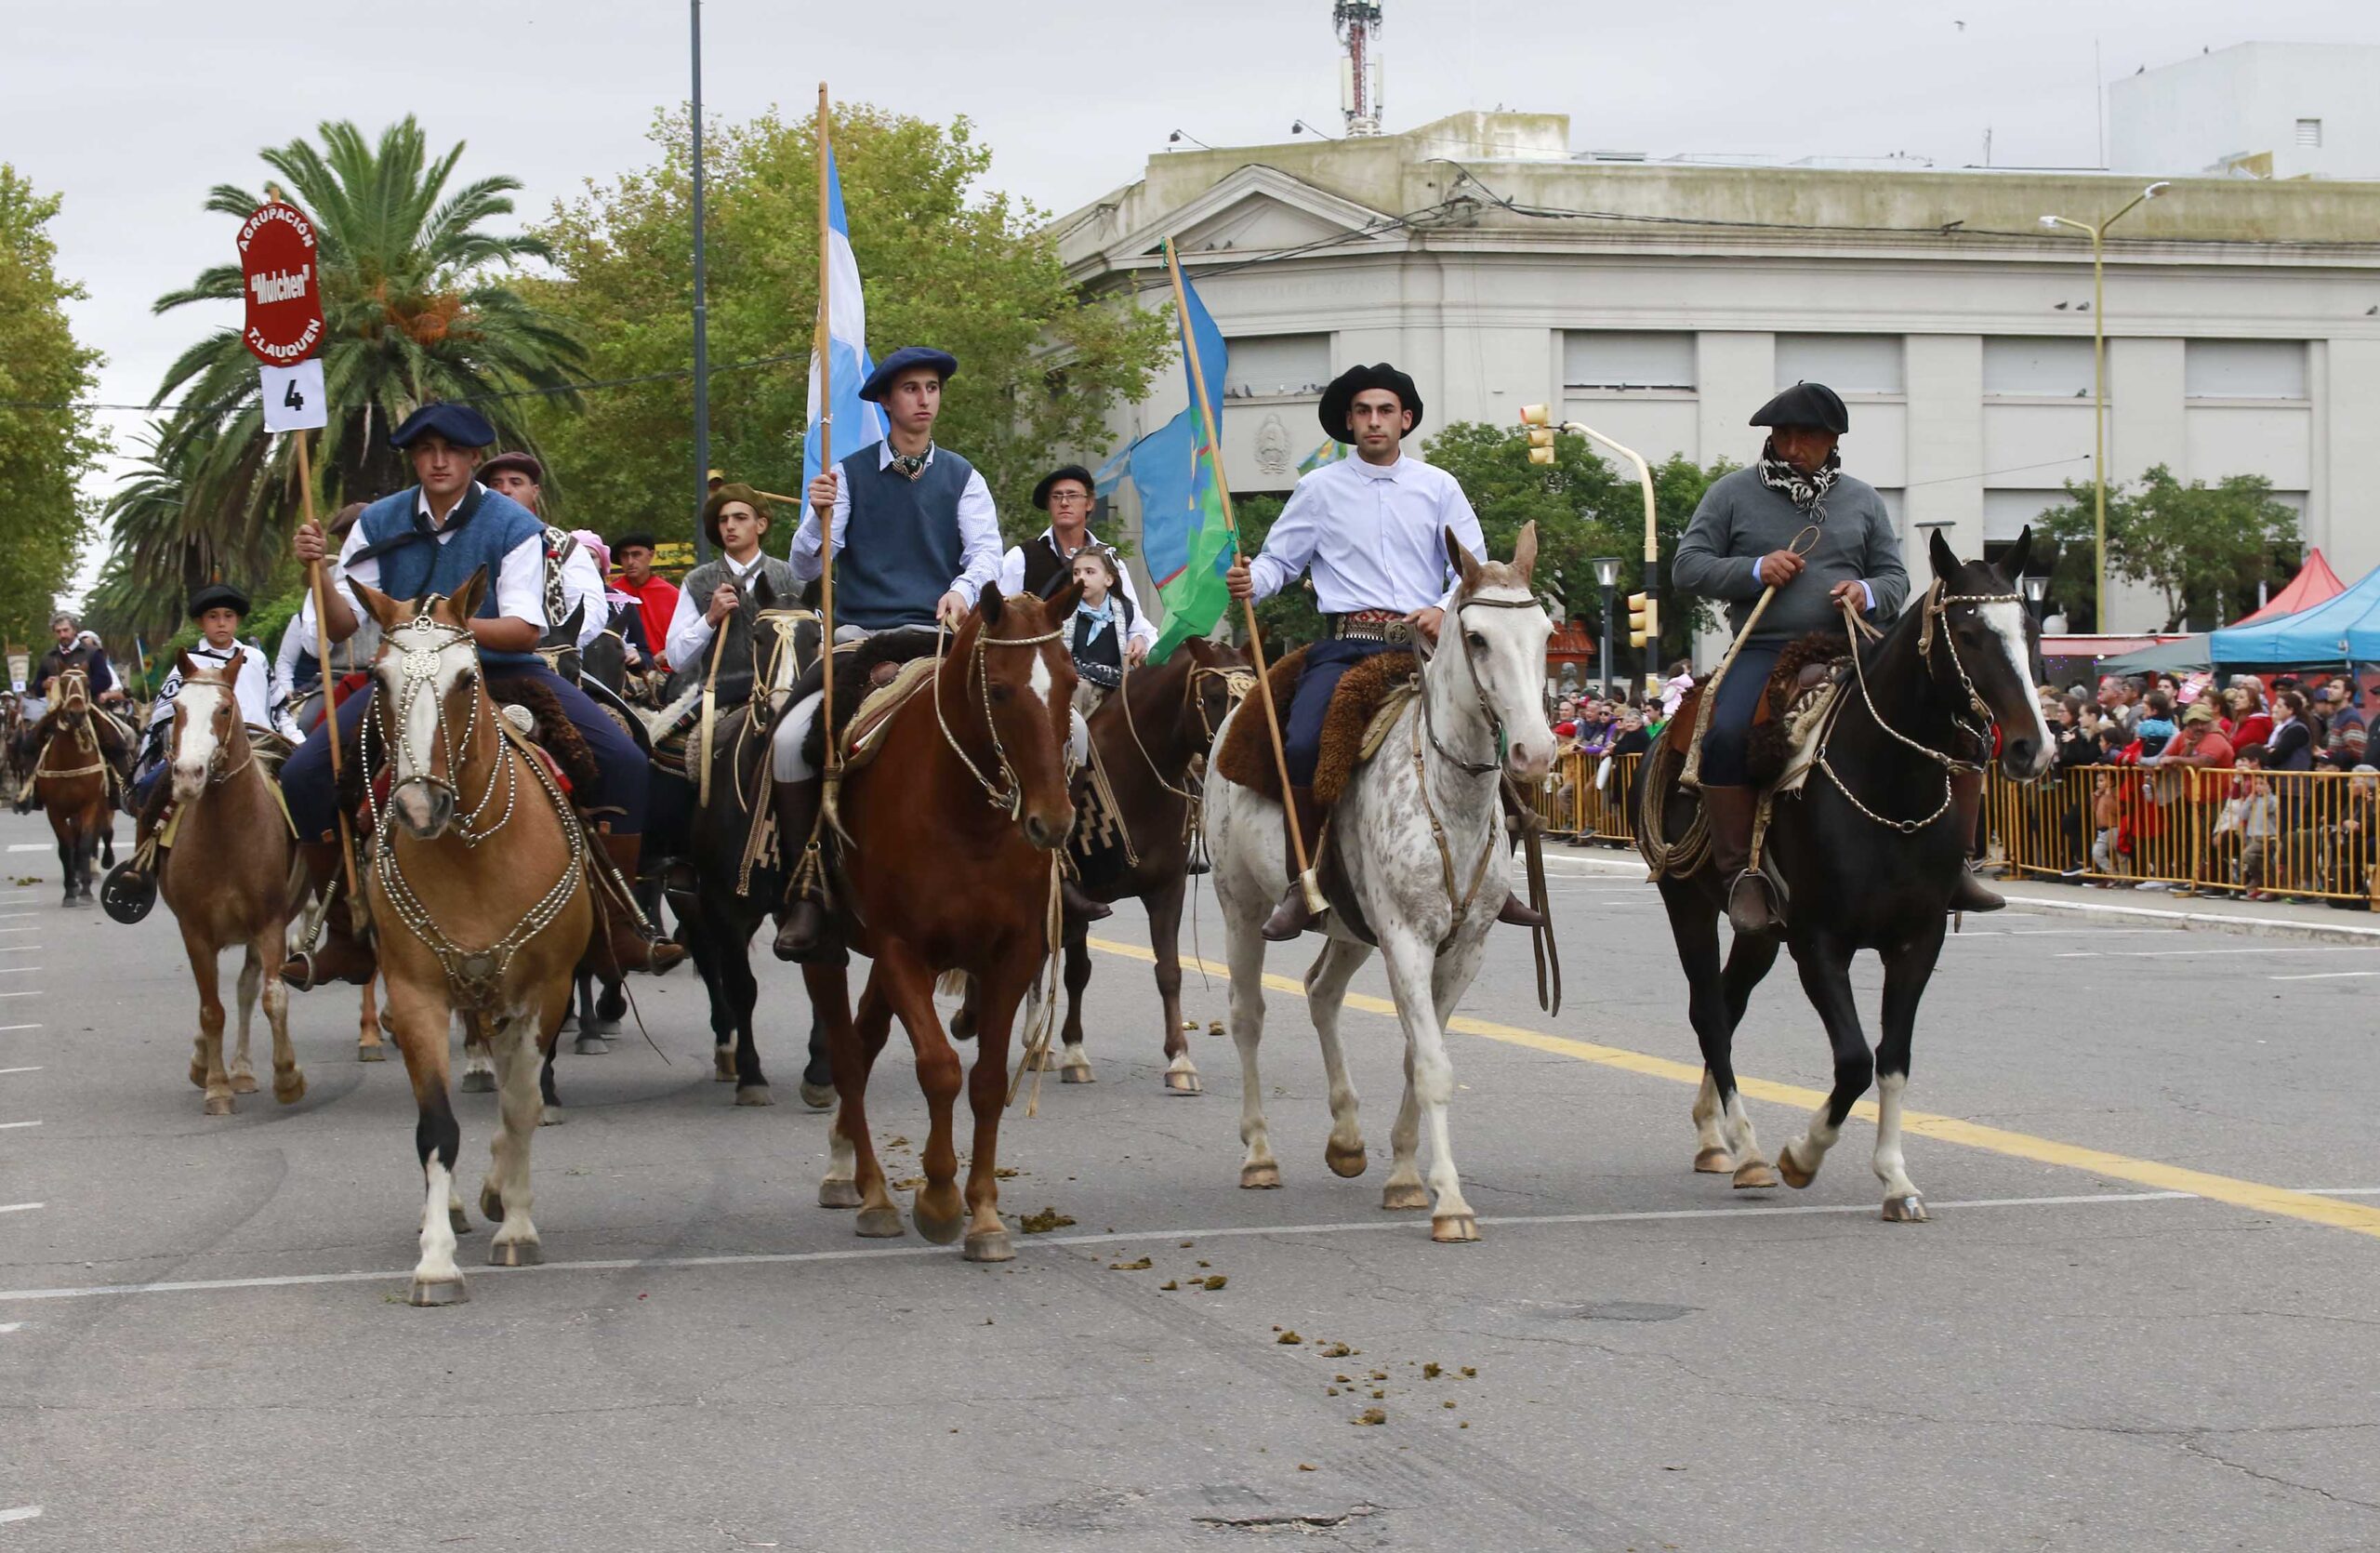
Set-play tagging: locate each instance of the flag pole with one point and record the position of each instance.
(317, 573)
(823, 352)
(1305, 864)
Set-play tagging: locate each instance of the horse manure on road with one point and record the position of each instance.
(1215, 1282)
(1141, 1266)
(1370, 1415)
(1289, 1339)
(1044, 1221)
(1431, 1371)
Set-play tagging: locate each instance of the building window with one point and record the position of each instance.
(2008, 513)
(1847, 363)
(2036, 366)
(1627, 359)
(2243, 369)
(1272, 366)
(2309, 133)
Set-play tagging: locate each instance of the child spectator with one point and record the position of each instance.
(2155, 729)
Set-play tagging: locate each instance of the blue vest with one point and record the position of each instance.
(486, 527)
(900, 549)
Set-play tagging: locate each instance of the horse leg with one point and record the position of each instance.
(853, 1179)
(1416, 974)
(266, 951)
(478, 1068)
(206, 1067)
(418, 1020)
(705, 948)
(522, 1042)
(1074, 1066)
(1825, 965)
(1326, 991)
(592, 1041)
(1723, 1136)
(244, 1073)
(987, 1096)
(1907, 970)
(1747, 961)
(551, 1113)
(69, 854)
(368, 1045)
(818, 1068)
(1165, 939)
(1244, 950)
(908, 988)
(743, 999)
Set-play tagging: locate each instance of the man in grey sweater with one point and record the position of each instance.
(1796, 522)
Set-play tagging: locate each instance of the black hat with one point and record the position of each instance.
(1069, 472)
(719, 499)
(215, 596)
(909, 358)
(641, 536)
(1811, 405)
(459, 424)
(522, 461)
(1339, 399)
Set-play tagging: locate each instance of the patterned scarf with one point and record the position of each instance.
(909, 465)
(1805, 491)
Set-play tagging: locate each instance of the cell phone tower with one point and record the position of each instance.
(1357, 22)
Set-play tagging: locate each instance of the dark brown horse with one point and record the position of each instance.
(76, 777)
(1149, 735)
(949, 866)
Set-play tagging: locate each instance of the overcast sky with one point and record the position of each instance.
(132, 108)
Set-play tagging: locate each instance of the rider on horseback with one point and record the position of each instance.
(726, 596)
(1372, 530)
(75, 649)
(1745, 538)
(1041, 566)
(573, 580)
(429, 538)
(264, 700)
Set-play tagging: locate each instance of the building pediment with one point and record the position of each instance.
(1256, 209)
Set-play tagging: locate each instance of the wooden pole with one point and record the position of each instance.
(317, 578)
(823, 350)
(1306, 880)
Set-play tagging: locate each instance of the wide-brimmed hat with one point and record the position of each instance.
(1069, 472)
(459, 424)
(909, 358)
(1339, 399)
(735, 491)
(1810, 405)
(217, 595)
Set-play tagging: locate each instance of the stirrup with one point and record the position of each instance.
(1760, 914)
(1290, 915)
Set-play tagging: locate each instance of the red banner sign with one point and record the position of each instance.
(280, 267)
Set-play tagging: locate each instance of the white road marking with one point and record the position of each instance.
(861, 1253)
(2191, 954)
(21, 1207)
(19, 949)
(6, 1125)
(2324, 975)
(20, 929)
(8, 1327)
(18, 970)
(4, 1071)
(32, 846)
(18, 917)
(6, 1028)
(20, 994)
(22, 1512)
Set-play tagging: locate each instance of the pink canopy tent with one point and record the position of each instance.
(2314, 583)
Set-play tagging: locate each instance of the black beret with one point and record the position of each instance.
(1339, 399)
(216, 595)
(640, 537)
(522, 461)
(909, 358)
(1810, 405)
(1070, 472)
(459, 424)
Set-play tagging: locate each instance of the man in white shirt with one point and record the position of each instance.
(1043, 566)
(723, 594)
(573, 580)
(1372, 530)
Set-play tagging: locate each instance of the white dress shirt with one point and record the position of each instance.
(689, 627)
(979, 531)
(1373, 536)
(262, 694)
(520, 581)
(1013, 581)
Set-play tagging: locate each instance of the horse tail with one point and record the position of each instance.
(952, 984)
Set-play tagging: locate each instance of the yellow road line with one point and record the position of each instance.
(2361, 1218)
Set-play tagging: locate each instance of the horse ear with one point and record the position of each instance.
(989, 602)
(2011, 564)
(183, 664)
(231, 670)
(577, 622)
(1524, 551)
(474, 591)
(1466, 564)
(1945, 559)
(1062, 602)
(382, 608)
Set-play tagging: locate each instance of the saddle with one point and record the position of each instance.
(861, 668)
(1364, 702)
(1807, 669)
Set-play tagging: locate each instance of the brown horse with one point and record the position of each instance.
(226, 875)
(950, 868)
(74, 777)
(479, 891)
(1149, 735)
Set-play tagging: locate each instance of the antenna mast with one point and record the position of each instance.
(1357, 22)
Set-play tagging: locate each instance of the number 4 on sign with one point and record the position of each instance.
(294, 400)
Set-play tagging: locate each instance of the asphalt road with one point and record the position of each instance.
(2142, 1317)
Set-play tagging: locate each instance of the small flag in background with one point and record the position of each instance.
(857, 424)
(1331, 452)
(1177, 470)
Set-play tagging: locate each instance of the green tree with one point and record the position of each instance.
(2203, 547)
(945, 262)
(45, 446)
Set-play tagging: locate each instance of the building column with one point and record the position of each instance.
(1945, 458)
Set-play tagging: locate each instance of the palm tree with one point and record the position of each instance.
(160, 551)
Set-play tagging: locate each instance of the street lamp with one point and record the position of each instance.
(2099, 379)
(2036, 589)
(1607, 578)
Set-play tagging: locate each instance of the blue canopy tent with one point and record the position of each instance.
(2339, 631)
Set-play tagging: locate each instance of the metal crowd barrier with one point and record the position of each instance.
(2309, 834)
(1587, 799)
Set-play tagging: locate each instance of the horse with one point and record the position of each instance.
(1420, 842)
(1867, 856)
(226, 876)
(75, 775)
(949, 866)
(479, 895)
(1150, 736)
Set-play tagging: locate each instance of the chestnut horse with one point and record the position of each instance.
(949, 866)
(226, 876)
(74, 777)
(480, 899)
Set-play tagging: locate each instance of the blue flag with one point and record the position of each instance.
(857, 424)
(1177, 470)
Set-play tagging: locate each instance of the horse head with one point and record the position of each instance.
(1995, 647)
(207, 733)
(431, 698)
(1027, 677)
(70, 692)
(1501, 633)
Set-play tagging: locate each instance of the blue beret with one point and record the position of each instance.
(459, 424)
(909, 358)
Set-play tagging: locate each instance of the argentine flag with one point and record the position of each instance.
(857, 424)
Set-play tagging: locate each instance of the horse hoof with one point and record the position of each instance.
(479, 1083)
(1754, 1175)
(1079, 1075)
(219, 1105)
(553, 1116)
(817, 1097)
(243, 1083)
(1182, 1083)
(1044, 1061)
(1795, 1176)
(941, 1231)
(1399, 1196)
(490, 1203)
(1905, 1210)
(374, 1053)
(879, 1223)
(990, 1246)
(515, 1253)
(197, 1074)
(835, 1192)
(459, 1221)
(1260, 1177)
(291, 1090)
(722, 1068)
(755, 1095)
(437, 1291)
(1347, 1162)
(590, 1046)
(1454, 1229)
(1715, 1161)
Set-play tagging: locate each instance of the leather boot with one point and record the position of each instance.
(627, 946)
(150, 819)
(1966, 806)
(342, 954)
(805, 934)
(1291, 917)
(1751, 908)
(1078, 907)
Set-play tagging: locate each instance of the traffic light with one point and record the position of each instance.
(1539, 418)
(1643, 624)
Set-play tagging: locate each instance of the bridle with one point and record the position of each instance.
(1007, 796)
(217, 772)
(1237, 683)
(1478, 692)
(72, 712)
(1462, 900)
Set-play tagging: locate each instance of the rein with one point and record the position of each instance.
(1461, 899)
(1011, 801)
(1937, 605)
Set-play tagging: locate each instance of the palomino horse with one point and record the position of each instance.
(73, 777)
(1419, 835)
(950, 866)
(1869, 856)
(226, 876)
(479, 892)
(1150, 735)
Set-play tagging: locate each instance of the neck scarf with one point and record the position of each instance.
(909, 465)
(1805, 491)
(1105, 616)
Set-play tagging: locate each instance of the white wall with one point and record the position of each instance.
(2184, 118)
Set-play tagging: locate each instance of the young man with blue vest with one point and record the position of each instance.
(430, 538)
(916, 538)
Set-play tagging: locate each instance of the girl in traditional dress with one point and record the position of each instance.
(1101, 622)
